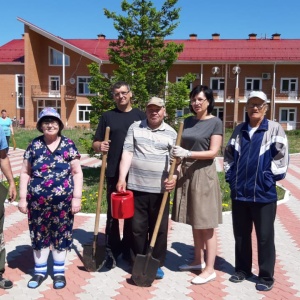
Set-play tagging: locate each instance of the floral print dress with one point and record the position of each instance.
(50, 193)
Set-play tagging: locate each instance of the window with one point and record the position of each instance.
(56, 58)
(252, 84)
(83, 113)
(218, 112)
(20, 88)
(181, 112)
(54, 86)
(288, 85)
(287, 115)
(217, 84)
(83, 85)
(41, 104)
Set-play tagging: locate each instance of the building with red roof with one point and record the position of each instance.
(43, 69)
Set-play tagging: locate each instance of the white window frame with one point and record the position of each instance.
(220, 86)
(86, 89)
(20, 91)
(78, 112)
(288, 111)
(56, 58)
(292, 85)
(42, 103)
(220, 83)
(54, 86)
(219, 109)
(250, 80)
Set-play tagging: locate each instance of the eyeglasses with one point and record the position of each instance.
(121, 94)
(258, 106)
(193, 101)
(50, 123)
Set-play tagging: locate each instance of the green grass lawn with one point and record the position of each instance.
(92, 175)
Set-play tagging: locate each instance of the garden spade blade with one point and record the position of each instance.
(93, 261)
(94, 256)
(144, 269)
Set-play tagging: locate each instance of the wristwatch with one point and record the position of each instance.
(189, 154)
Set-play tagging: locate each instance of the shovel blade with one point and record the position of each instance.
(93, 263)
(144, 270)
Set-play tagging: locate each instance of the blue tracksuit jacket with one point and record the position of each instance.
(252, 166)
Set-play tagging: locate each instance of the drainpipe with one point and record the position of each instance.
(273, 95)
(201, 75)
(224, 109)
(166, 88)
(63, 68)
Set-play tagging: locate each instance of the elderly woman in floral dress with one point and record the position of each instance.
(50, 193)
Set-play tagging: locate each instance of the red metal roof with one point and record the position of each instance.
(12, 52)
(263, 50)
(259, 50)
(215, 50)
(96, 47)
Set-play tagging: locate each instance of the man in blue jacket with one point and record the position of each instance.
(256, 156)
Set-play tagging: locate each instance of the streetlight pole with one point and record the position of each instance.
(215, 71)
(224, 109)
(236, 70)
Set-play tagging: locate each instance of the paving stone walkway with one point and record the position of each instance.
(116, 283)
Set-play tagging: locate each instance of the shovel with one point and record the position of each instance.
(145, 266)
(94, 255)
(14, 142)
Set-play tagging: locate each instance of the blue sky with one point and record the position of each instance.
(232, 19)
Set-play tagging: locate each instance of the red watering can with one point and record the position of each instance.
(122, 205)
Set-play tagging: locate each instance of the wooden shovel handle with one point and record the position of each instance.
(101, 183)
(166, 194)
(14, 142)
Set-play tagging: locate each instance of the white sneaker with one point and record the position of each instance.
(192, 268)
(200, 280)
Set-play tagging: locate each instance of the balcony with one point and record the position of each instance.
(44, 91)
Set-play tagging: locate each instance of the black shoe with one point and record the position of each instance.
(264, 287)
(35, 281)
(59, 282)
(238, 276)
(5, 283)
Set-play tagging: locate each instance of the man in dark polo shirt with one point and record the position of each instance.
(118, 119)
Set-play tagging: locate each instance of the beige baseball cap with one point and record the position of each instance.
(156, 101)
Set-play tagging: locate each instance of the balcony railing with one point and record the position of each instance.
(44, 91)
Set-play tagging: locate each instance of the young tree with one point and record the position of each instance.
(141, 54)
(178, 97)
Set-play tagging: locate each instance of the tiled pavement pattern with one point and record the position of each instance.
(116, 283)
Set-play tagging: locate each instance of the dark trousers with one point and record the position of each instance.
(146, 208)
(2, 245)
(262, 215)
(114, 244)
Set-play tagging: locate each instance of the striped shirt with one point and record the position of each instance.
(151, 150)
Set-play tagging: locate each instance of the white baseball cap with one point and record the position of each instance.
(258, 94)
